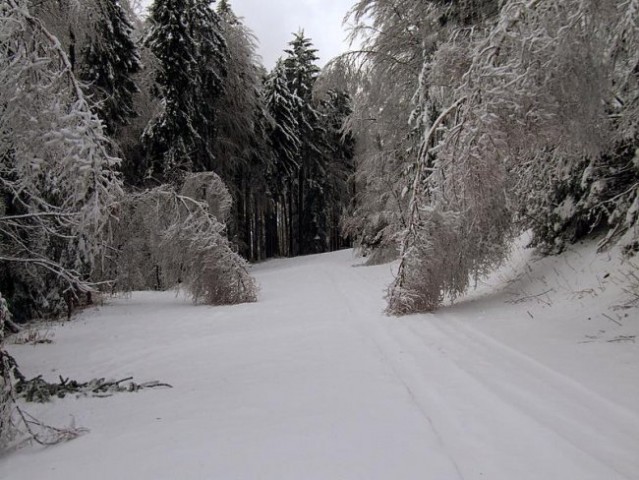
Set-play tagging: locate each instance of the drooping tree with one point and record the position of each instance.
(516, 96)
(57, 176)
(383, 77)
(167, 238)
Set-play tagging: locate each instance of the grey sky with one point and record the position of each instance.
(274, 21)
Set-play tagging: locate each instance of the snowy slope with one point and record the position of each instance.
(533, 376)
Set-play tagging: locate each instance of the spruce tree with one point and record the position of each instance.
(284, 134)
(211, 56)
(185, 38)
(109, 62)
(283, 106)
(301, 74)
(339, 152)
(170, 138)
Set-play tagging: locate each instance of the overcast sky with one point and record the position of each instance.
(275, 21)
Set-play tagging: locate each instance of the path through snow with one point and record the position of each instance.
(314, 382)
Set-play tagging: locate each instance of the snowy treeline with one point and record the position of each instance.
(145, 153)
(155, 153)
(480, 118)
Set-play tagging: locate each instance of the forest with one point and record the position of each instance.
(155, 152)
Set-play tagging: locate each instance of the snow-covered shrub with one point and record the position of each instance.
(591, 196)
(165, 238)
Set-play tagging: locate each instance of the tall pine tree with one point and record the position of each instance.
(212, 58)
(284, 134)
(191, 53)
(109, 62)
(242, 153)
(301, 74)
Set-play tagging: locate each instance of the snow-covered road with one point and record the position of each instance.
(314, 382)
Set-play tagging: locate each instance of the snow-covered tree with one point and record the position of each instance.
(166, 238)
(383, 77)
(241, 149)
(57, 177)
(191, 55)
(171, 136)
(212, 61)
(301, 75)
(7, 427)
(284, 136)
(282, 105)
(109, 62)
(338, 151)
(237, 108)
(525, 98)
(595, 192)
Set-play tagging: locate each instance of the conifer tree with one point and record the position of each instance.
(284, 134)
(339, 150)
(171, 136)
(283, 106)
(109, 62)
(191, 54)
(211, 55)
(242, 153)
(301, 74)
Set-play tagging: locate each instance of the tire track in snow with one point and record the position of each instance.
(391, 365)
(442, 361)
(550, 398)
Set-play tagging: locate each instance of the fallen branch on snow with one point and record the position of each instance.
(39, 390)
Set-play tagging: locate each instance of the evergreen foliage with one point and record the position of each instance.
(202, 103)
(191, 53)
(110, 61)
(242, 153)
(282, 105)
(180, 96)
(312, 154)
(171, 137)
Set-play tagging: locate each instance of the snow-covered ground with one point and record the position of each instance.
(535, 375)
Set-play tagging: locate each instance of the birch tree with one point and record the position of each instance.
(513, 115)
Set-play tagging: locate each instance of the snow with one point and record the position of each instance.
(535, 375)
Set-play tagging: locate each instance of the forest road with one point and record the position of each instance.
(488, 409)
(315, 382)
